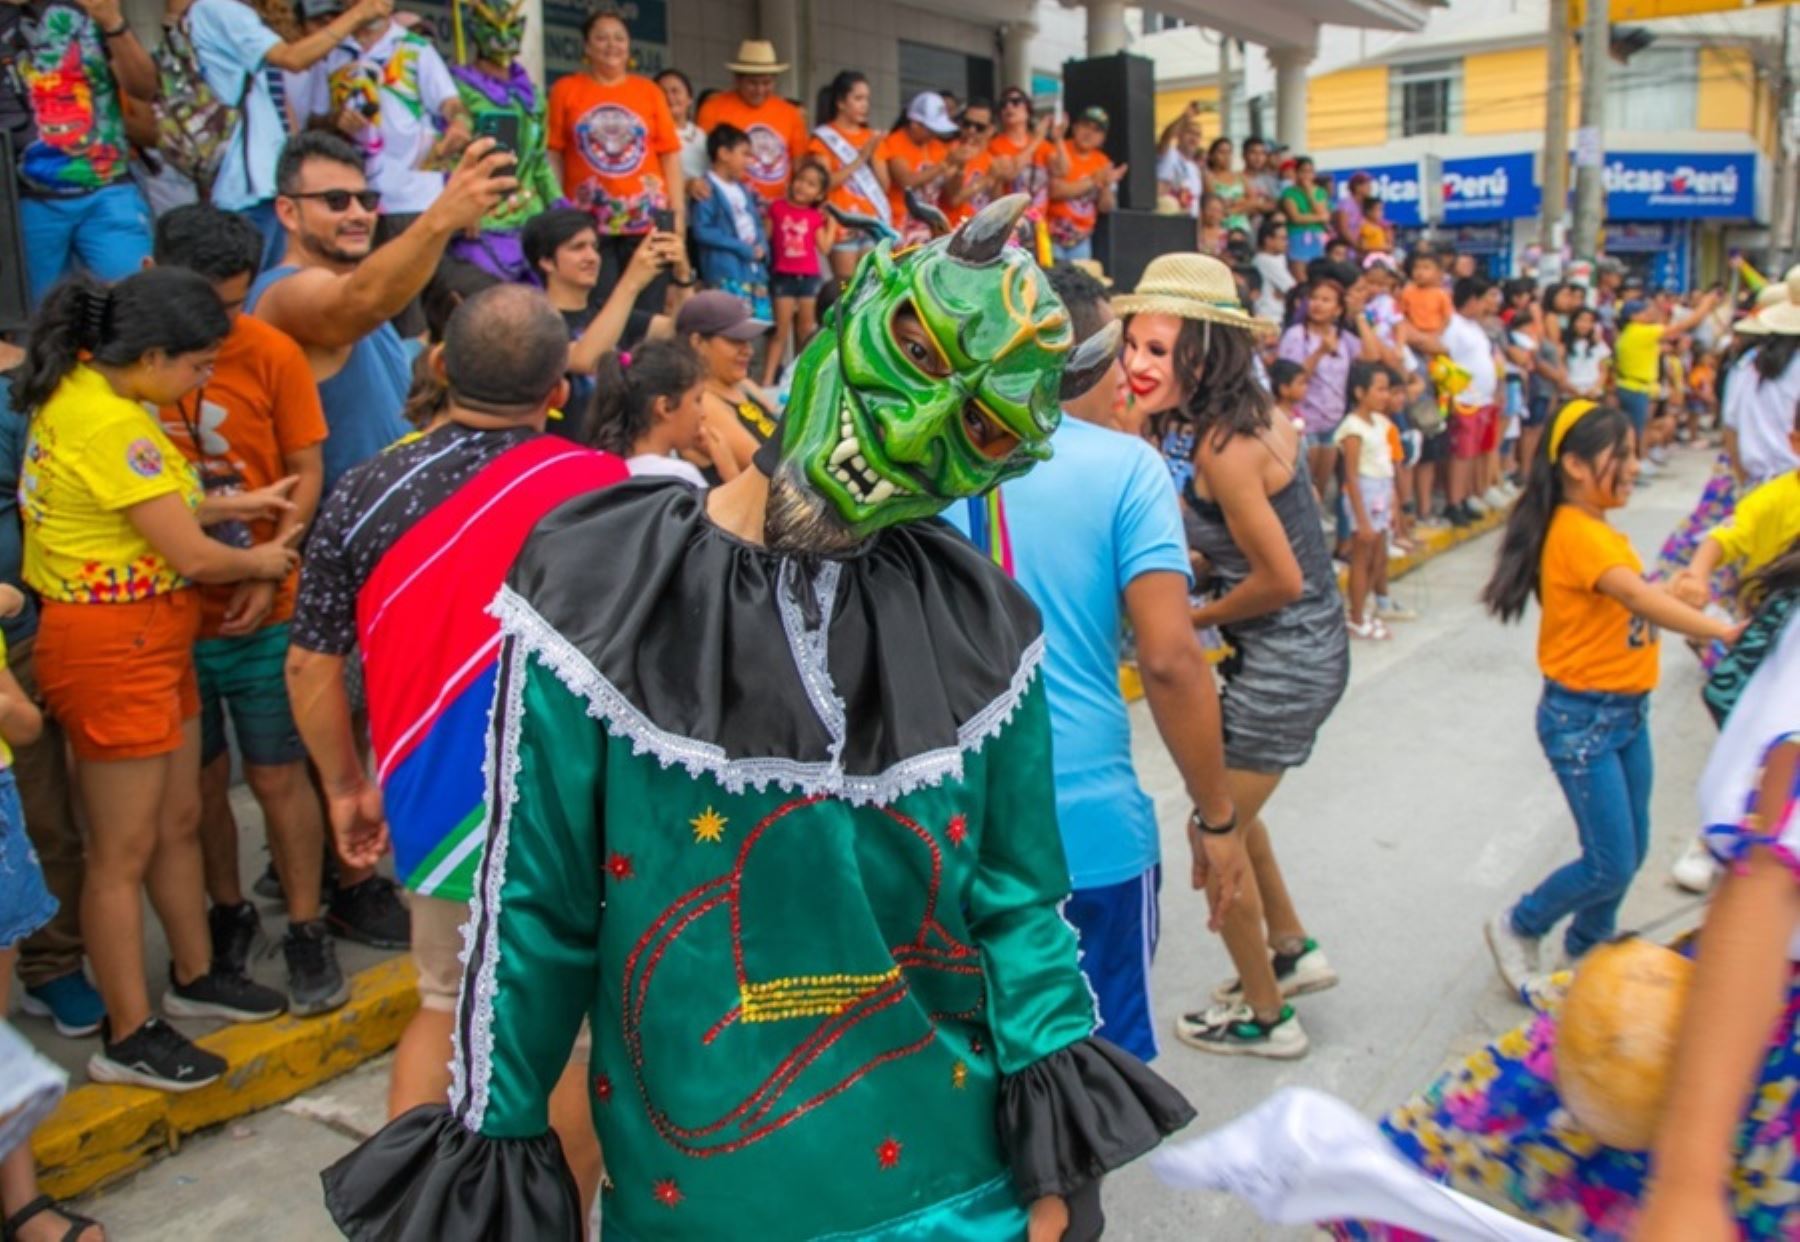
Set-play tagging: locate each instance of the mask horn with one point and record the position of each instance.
(935, 220)
(983, 236)
(874, 226)
(1091, 360)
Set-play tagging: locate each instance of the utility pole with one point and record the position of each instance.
(1555, 170)
(1590, 140)
(1224, 85)
(1788, 134)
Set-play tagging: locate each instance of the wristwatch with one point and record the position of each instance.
(124, 27)
(1198, 823)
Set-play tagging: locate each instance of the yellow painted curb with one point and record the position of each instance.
(1433, 543)
(98, 1133)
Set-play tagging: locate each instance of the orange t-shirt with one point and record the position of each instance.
(1072, 219)
(260, 405)
(1034, 177)
(612, 140)
(778, 137)
(976, 169)
(845, 196)
(1586, 640)
(1427, 310)
(914, 156)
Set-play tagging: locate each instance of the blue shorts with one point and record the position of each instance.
(1305, 244)
(25, 903)
(1636, 406)
(1083, 249)
(1118, 925)
(107, 232)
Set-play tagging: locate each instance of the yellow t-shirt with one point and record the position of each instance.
(90, 456)
(1637, 356)
(1764, 525)
(1586, 640)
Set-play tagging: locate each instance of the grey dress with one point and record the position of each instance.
(1288, 668)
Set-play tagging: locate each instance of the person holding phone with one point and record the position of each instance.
(503, 104)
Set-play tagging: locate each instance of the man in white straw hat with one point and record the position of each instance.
(777, 129)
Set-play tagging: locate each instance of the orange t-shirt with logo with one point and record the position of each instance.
(260, 406)
(1034, 177)
(977, 168)
(612, 140)
(845, 196)
(778, 137)
(913, 156)
(1586, 640)
(1076, 217)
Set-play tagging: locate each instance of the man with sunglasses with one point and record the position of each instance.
(335, 297)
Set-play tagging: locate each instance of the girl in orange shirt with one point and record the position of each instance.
(845, 144)
(1598, 651)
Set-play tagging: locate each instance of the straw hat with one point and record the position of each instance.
(1190, 286)
(1782, 316)
(754, 57)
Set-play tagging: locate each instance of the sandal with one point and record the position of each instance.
(78, 1224)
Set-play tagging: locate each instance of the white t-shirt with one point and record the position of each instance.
(694, 162)
(230, 42)
(1375, 457)
(1585, 363)
(1762, 413)
(1177, 170)
(667, 467)
(1278, 278)
(408, 84)
(1470, 348)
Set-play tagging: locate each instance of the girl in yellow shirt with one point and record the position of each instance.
(1598, 652)
(113, 520)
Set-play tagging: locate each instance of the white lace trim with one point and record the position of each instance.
(811, 649)
(471, 1068)
(607, 704)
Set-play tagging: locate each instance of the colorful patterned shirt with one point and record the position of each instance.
(80, 143)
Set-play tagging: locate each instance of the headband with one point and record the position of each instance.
(1566, 418)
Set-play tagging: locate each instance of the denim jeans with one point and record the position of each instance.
(1599, 746)
(107, 231)
(1083, 249)
(1636, 406)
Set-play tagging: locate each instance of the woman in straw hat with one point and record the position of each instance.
(1190, 352)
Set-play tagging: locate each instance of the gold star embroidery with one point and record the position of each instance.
(709, 825)
(959, 1076)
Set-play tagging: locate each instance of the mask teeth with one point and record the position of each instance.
(852, 470)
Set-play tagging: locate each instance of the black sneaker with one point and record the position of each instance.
(215, 994)
(234, 932)
(371, 913)
(156, 1055)
(315, 981)
(268, 884)
(1459, 515)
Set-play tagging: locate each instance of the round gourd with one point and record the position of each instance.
(1615, 1040)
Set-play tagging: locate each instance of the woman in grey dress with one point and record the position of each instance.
(1272, 591)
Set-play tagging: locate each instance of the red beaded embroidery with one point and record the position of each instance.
(618, 866)
(667, 1192)
(887, 1153)
(958, 831)
(603, 1088)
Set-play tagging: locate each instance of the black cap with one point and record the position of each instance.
(717, 313)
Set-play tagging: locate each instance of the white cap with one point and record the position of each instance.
(927, 109)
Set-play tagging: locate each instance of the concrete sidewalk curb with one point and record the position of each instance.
(1432, 543)
(100, 1133)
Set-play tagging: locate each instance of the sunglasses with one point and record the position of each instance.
(975, 126)
(340, 200)
(1015, 101)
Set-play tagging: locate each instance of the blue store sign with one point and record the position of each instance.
(1488, 188)
(1657, 185)
(1397, 185)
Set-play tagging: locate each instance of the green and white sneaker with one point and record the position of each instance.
(1298, 974)
(1234, 1031)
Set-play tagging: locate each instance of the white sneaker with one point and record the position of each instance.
(1299, 974)
(1515, 956)
(1390, 609)
(1660, 455)
(1647, 469)
(1476, 505)
(1233, 1031)
(1695, 871)
(1495, 498)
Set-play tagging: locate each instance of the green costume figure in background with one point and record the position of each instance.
(495, 84)
(770, 805)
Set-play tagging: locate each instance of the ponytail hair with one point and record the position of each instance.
(1779, 577)
(1518, 564)
(166, 308)
(628, 386)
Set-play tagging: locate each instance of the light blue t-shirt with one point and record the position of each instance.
(1085, 523)
(231, 41)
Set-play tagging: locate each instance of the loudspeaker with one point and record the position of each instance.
(1126, 241)
(1125, 85)
(15, 296)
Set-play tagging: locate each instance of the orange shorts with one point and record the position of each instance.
(119, 678)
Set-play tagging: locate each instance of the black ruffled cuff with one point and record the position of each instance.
(1082, 1112)
(426, 1178)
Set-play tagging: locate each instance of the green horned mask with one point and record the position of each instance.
(497, 29)
(940, 373)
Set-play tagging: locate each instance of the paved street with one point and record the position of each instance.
(1427, 805)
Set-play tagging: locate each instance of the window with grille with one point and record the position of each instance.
(1658, 88)
(1426, 98)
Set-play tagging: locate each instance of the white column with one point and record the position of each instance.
(531, 47)
(1106, 33)
(779, 22)
(1290, 94)
(1015, 57)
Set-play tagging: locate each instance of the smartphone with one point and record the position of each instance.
(663, 220)
(502, 127)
